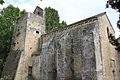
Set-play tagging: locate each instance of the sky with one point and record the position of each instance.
(69, 10)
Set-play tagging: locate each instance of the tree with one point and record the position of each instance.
(63, 24)
(7, 20)
(53, 19)
(1, 2)
(114, 4)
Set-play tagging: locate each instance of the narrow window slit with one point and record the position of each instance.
(29, 70)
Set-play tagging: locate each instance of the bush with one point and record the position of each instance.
(6, 78)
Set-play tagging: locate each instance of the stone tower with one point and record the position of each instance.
(34, 28)
(26, 36)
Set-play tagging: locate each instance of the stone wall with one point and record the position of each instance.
(98, 57)
(17, 48)
(11, 64)
(80, 51)
(35, 27)
(110, 57)
(69, 54)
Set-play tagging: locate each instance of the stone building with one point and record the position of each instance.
(81, 51)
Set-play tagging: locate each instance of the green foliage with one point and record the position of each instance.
(114, 4)
(1, 2)
(52, 19)
(7, 20)
(6, 78)
(63, 24)
(1, 63)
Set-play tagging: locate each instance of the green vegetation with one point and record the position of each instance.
(53, 19)
(6, 78)
(1, 2)
(114, 4)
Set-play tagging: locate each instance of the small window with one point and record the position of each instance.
(38, 13)
(29, 70)
(113, 73)
(37, 32)
(108, 34)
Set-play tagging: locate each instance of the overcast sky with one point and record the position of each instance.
(69, 10)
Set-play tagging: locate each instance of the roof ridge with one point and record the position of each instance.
(100, 14)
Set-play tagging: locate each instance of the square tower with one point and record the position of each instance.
(34, 28)
(28, 30)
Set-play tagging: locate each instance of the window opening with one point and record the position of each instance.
(29, 70)
(38, 13)
(108, 34)
(30, 48)
(37, 32)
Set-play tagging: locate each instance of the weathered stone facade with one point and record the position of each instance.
(80, 51)
(65, 53)
(27, 32)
